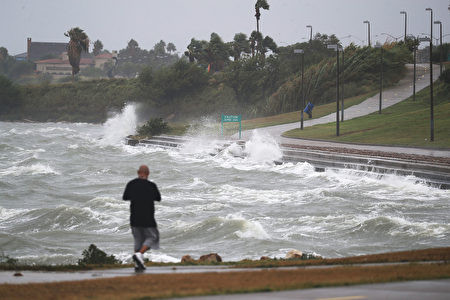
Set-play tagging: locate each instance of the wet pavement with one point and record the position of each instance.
(410, 290)
(24, 277)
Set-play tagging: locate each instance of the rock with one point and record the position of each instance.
(264, 258)
(187, 259)
(294, 254)
(18, 274)
(212, 257)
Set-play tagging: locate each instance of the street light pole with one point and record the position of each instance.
(431, 78)
(302, 106)
(404, 13)
(336, 48)
(440, 43)
(381, 77)
(310, 32)
(368, 30)
(337, 90)
(342, 101)
(414, 79)
(303, 91)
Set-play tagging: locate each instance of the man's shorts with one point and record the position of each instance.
(148, 236)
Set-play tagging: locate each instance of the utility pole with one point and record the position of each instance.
(431, 78)
(336, 48)
(404, 13)
(302, 105)
(368, 30)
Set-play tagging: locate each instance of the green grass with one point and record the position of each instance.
(318, 111)
(405, 124)
(291, 117)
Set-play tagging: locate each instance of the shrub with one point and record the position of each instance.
(94, 255)
(153, 127)
(9, 261)
(9, 95)
(445, 76)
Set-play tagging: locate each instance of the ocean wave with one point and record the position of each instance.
(10, 213)
(34, 169)
(119, 126)
(396, 226)
(231, 226)
(138, 150)
(108, 203)
(48, 259)
(63, 217)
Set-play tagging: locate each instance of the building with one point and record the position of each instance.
(103, 58)
(21, 56)
(43, 50)
(52, 58)
(60, 67)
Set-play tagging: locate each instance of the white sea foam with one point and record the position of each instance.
(116, 128)
(248, 229)
(34, 169)
(262, 148)
(7, 213)
(73, 146)
(158, 256)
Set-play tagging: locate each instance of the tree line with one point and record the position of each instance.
(258, 85)
(250, 75)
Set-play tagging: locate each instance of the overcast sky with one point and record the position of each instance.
(148, 21)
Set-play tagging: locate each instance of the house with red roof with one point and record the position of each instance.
(58, 64)
(60, 67)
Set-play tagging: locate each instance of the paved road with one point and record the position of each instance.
(391, 96)
(411, 290)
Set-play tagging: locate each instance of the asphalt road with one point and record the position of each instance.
(410, 290)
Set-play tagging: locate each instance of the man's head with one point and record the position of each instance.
(143, 172)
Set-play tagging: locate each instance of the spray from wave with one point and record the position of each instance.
(116, 128)
(262, 148)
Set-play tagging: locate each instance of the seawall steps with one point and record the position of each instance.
(436, 175)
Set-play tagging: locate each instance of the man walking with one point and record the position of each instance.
(142, 193)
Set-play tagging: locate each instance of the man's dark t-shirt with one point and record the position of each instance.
(142, 194)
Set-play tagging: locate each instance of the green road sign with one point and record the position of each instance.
(226, 118)
(232, 118)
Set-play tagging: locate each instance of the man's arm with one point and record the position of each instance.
(126, 193)
(157, 194)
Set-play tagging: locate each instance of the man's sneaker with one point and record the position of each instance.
(138, 258)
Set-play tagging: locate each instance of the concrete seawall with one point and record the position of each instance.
(434, 174)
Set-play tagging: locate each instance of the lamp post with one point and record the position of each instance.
(431, 77)
(302, 106)
(404, 13)
(440, 43)
(414, 78)
(336, 48)
(381, 76)
(342, 93)
(419, 39)
(368, 30)
(310, 32)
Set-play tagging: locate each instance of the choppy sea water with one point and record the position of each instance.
(61, 186)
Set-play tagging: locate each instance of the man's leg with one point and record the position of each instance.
(139, 239)
(143, 249)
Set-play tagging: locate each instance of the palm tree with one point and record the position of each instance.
(258, 5)
(79, 41)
